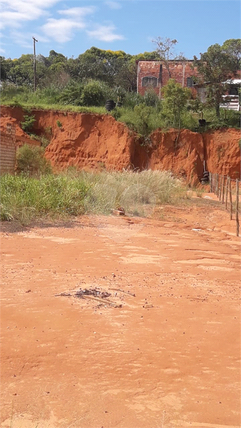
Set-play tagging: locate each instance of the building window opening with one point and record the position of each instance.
(149, 82)
(189, 82)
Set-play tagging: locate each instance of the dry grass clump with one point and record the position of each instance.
(137, 192)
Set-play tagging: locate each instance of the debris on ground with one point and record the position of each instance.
(119, 211)
(92, 292)
(122, 291)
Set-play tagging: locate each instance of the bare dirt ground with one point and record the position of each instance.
(162, 351)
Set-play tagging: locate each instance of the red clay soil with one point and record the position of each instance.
(222, 151)
(163, 350)
(7, 123)
(179, 152)
(92, 141)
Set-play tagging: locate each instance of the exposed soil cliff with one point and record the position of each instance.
(222, 151)
(8, 123)
(94, 141)
(182, 153)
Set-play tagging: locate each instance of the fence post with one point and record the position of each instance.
(226, 192)
(223, 190)
(237, 204)
(217, 180)
(211, 183)
(220, 188)
(230, 198)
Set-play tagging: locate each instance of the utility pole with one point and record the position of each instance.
(34, 63)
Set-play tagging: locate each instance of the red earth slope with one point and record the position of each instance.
(93, 141)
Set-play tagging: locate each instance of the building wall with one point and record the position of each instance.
(7, 151)
(180, 71)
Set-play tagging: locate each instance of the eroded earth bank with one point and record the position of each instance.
(93, 141)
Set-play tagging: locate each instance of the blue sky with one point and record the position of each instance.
(71, 27)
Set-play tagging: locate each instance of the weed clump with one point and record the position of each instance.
(30, 160)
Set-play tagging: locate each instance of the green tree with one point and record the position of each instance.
(3, 69)
(215, 67)
(98, 64)
(93, 64)
(19, 71)
(174, 103)
(56, 70)
(233, 48)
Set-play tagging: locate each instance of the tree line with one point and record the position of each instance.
(115, 68)
(84, 80)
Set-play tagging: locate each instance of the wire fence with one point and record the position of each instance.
(227, 190)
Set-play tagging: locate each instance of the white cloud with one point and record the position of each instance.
(16, 16)
(61, 30)
(105, 33)
(113, 4)
(79, 12)
(15, 12)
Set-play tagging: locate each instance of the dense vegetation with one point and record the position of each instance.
(87, 82)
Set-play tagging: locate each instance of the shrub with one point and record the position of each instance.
(93, 94)
(132, 99)
(31, 161)
(231, 118)
(71, 94)
(151, 99)
(27, 124)
(142, 119)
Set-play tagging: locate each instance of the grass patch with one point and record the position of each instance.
(26, 198)
(55, 107)
(73, 193)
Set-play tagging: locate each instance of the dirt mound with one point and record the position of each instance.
(93, 141)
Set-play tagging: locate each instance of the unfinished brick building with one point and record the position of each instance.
(154, 74)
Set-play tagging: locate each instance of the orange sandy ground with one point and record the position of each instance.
(169, 356)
